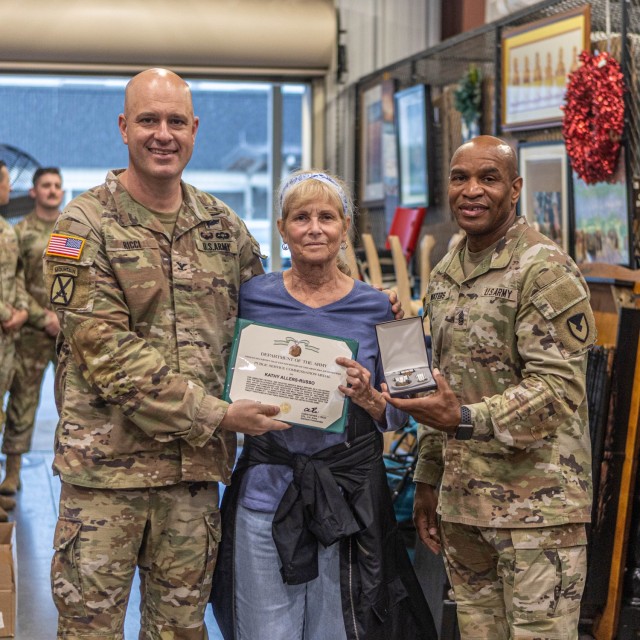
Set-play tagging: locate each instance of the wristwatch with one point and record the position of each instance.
(464, 431)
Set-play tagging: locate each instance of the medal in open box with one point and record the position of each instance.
(404, 357)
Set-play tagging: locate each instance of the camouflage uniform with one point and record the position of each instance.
(35, 349)
(12, 294)
(512, 340)
(146, 329)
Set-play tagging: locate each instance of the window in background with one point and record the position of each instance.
(71, 122)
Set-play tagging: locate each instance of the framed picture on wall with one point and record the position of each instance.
(414, 140)
(389, 155)
(602, 219)
(371, 146)
(544, 200)
(536, 60)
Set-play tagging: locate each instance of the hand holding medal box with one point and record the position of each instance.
(404, 357)
(293, 369)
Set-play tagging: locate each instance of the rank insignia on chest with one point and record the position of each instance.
(66, 246)
(578, 326)
(62, 289)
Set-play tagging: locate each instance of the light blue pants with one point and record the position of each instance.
(269, 609)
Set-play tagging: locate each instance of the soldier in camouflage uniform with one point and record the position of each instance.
(13, 305)
(35, 347)
(508, 439)
(144, 272)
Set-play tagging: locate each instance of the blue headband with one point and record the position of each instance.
(322, 177)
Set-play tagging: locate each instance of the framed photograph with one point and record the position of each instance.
(544, 200)
(536, 60)
(413, 120)
(602, 219)
(371, 146)
(389, 153)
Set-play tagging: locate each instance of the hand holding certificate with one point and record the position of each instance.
(292, 369)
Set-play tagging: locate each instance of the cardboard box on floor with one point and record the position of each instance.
(8, 579)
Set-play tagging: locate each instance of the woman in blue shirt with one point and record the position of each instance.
(317, 556)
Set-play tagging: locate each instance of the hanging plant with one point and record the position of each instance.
(468, 95)
(594, 117)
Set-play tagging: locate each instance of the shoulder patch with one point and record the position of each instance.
(578, 326)
(62, 289)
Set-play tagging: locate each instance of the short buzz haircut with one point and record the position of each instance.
(40, 171)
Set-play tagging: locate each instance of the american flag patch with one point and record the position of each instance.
(66, 246)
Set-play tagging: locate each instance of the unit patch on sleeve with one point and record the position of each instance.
(62, 289)
(66, 246)
(578, 326)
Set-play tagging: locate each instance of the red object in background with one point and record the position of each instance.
(406, 224)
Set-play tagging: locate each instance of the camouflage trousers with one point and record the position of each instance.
(6, 370)
(170, 533)
(516, 583)
(34, 351)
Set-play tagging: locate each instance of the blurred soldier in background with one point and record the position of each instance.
(35, 347)
(13, 305)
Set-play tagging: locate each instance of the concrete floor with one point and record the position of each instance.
(36, 514)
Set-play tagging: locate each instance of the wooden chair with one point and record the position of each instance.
(403, 283)
(426, 245)
(373, 262)
(406, 225)
(352, 262)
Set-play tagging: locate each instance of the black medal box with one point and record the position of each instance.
(404, 357)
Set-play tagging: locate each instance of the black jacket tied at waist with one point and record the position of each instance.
(340, 493)
(315, 507)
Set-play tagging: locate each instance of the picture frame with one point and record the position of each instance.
(537, 59)
(389, 154)
(602, 219)
(545, 199)
(371, 146)
(414, 144)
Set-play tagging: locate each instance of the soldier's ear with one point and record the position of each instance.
(122, 125)
(516, 189)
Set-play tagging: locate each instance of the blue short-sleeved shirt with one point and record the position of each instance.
(265, 299)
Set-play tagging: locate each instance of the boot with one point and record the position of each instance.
(11, 482)
(6, 503)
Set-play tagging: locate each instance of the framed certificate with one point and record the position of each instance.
(293, 369)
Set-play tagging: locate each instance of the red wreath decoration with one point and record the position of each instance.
(594, 117)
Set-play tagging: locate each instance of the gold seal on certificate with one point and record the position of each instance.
(293, 369)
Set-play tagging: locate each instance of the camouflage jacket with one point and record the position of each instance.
(33, 234)
(12, 290)
(512, 341)
(146, 330)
